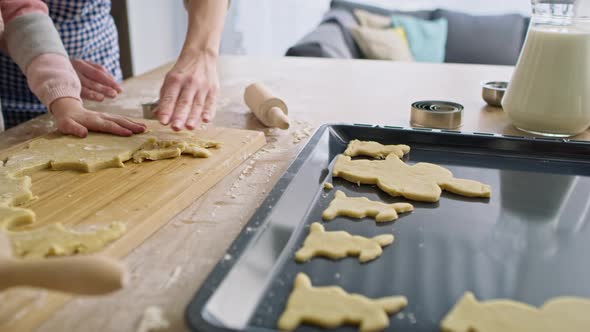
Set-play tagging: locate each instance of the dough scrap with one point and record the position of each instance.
(328, 186)
(557, 314)
(14, 191)
(153, 319)
(340, 244)
(420, 182)
(360, 207)
(96, 151)
(56, 240)
(374, 149)
(330, 307)
(13, 217)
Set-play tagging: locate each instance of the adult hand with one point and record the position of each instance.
(189, 92)
(72, 118)
(96, 81)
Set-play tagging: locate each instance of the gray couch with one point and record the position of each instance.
(471, 39)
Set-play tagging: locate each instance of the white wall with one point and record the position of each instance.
(270, 27)
(261, 27)
(483, 7)
(157, 29)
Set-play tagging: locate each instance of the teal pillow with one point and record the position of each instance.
(427, 39)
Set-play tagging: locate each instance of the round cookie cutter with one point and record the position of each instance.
(149, 108)
(437, 114)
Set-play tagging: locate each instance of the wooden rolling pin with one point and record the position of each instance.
(85, 275)
(270, 110)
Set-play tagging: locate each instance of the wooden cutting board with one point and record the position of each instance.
(143, 196)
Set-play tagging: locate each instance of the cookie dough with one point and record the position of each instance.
(328, 186)
(558, 314)
(14, 191)
(96, 151)
(13, 217)
(56, 240)
(374, 149)
(420, 182)
(340, 244)
(330, 307)
(360, 207)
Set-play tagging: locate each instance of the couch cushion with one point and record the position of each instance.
(371, 20)
(382, 44)
(427, 39)
(346, 21)
(483, 39)
(326, 41)
(351, 5)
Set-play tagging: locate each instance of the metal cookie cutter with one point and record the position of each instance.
(493, 92)
(149, 108)
(436, 114)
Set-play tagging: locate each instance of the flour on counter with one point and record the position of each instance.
(174, 276)
(153, 319)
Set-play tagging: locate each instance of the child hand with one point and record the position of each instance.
(96, 81)
(72, 118)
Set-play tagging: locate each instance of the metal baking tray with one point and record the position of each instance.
(528, 242)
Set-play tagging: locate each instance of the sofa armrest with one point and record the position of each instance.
(326, 41)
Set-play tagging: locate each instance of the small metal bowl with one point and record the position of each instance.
(493, 92)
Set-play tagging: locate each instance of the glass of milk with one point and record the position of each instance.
(549, 93)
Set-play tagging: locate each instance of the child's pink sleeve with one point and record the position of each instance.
(51, 76)
(34, 44)
(13, 8)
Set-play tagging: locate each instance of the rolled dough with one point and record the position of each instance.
(374, 149)
(420, 182)
(330, 307)
(557, 314)
(360, 207)
(56, 240)
(340, 244)
(96, 151)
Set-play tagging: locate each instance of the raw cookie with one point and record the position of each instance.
(374, 149)
(557, 314)
(420, 182)
(340, 244)
(360, 207)
(330, 307)
(56, 240)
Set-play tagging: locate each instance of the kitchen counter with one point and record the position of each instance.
(170, 266)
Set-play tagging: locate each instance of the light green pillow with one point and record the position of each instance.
(427, 39)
